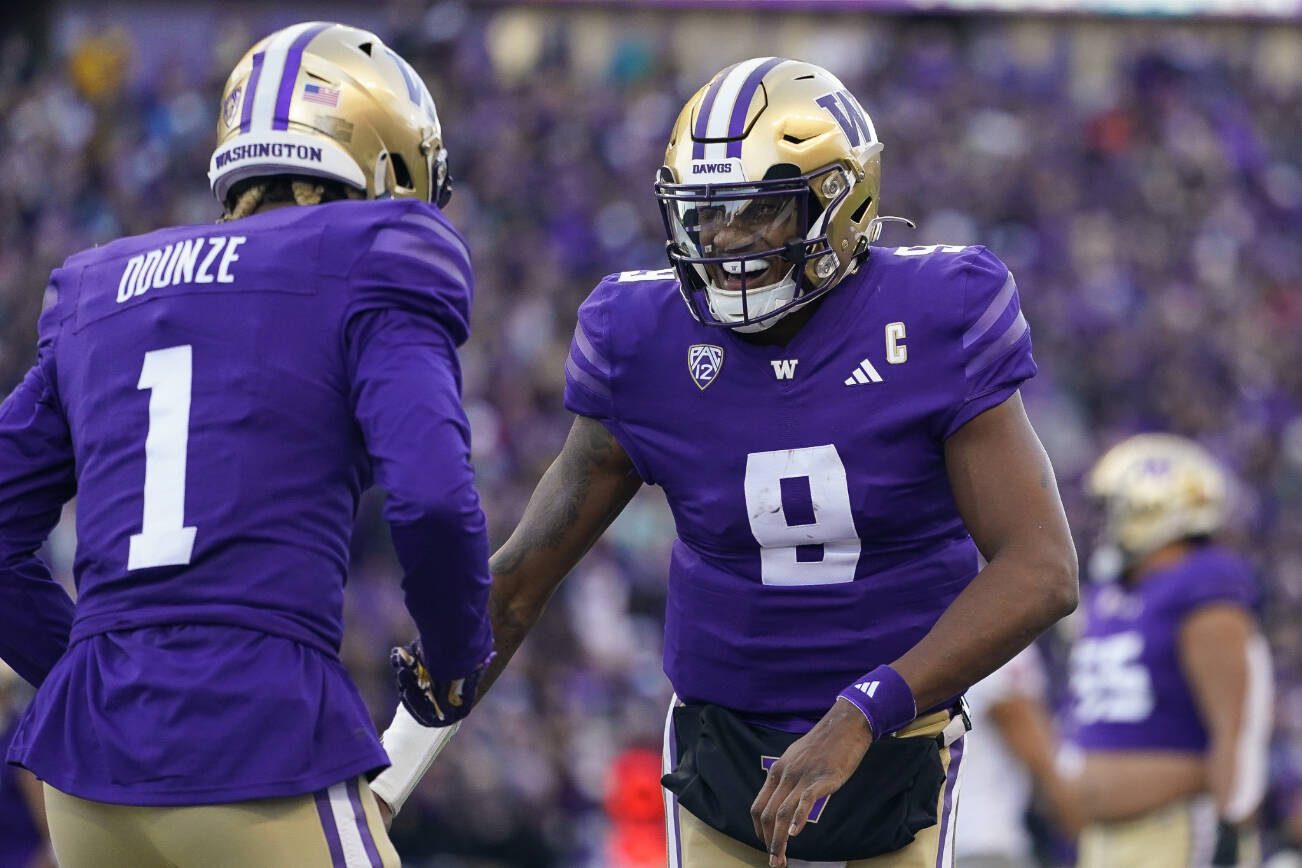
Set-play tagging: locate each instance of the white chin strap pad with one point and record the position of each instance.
(726, 304)
(412, 749)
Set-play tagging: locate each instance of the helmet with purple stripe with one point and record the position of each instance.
(334, 102)
(768, 191)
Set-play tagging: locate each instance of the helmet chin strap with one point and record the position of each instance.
(727, 306)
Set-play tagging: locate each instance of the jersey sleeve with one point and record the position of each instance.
(1217, 578)
(994, 340)
(37, 477)
(588, 369)
(415, 261)
(590, 372)
(406, 391)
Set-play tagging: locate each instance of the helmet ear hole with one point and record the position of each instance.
(401, 174)
(782, 172)
(859, 212)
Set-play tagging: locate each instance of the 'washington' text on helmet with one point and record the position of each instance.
(333, 102)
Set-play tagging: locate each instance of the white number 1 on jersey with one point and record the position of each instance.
(163, 540)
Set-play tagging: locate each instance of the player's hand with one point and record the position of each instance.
(433, 703)
(816, 765)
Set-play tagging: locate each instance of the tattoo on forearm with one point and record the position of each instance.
(555, 507)
(561, 522)
(509, 631)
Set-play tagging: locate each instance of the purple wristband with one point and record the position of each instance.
(885, 698)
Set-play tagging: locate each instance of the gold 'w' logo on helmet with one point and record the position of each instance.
(1156, 489)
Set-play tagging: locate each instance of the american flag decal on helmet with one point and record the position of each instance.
(319, 93)
(704, 362)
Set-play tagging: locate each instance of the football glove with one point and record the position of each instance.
(433, 703)
(1227, 844)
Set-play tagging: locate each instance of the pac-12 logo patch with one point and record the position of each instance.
(704, 362)
(231, 105)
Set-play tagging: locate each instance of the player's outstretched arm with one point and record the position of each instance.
(407, 403)
(583, 491)
(1006, 492)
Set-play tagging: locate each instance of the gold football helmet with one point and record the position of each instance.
(1156, 489)
(768, 192)
(333, 102)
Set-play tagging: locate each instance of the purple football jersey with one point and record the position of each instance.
(1128, 689)
(817, 533)
(220, 396)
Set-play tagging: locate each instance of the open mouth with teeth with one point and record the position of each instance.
(735, 274)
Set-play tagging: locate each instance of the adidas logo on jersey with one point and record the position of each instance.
(865, 373)
(867, 687)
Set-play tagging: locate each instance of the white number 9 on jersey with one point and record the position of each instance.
(798, 503)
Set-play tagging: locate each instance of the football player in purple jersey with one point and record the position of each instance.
(838, 431)
(218, 397)
(1171, 677)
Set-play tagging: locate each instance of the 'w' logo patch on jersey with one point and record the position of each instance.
(704, 362)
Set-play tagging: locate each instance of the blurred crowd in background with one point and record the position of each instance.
(1143, 180)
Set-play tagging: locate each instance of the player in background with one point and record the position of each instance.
(1011, 758)
(838, 431)
(1171, 677)
(218, 397)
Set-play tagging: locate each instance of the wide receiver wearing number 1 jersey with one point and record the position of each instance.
(218, 397)
(837, 430)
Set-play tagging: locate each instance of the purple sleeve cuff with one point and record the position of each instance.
(884, 698)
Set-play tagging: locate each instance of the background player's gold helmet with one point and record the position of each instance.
(769, 191)
(1157, 489)
(333, 102)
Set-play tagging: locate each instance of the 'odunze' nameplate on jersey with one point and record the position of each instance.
(192, 260)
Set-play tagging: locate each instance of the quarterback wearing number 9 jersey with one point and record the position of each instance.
(218, 397)
(838, 432)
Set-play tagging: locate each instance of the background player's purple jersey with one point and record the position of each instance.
(219, 396)
(1127, 684)
(817, 533)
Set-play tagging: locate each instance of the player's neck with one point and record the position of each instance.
(1159, 559)
(264, 206)
(786, 328)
